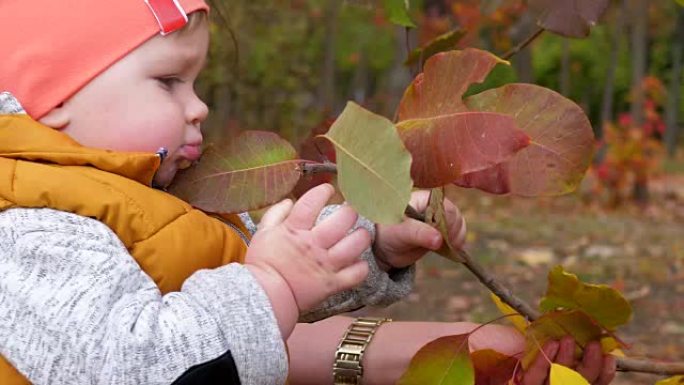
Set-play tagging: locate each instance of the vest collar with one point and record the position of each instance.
(24, 138)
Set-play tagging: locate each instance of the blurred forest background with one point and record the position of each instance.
(290, 66)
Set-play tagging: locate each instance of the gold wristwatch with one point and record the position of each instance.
(347, 369)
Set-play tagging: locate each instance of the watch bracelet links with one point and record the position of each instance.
(347, 368)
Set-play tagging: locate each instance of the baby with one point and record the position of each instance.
(105, 278)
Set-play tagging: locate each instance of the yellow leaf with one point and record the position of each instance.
(518, 321)
(560, 375)
(604, 304)
(676, 380)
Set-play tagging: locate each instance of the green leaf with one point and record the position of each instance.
(251, 171)
(492, 367)
(397, 11)
(604, 304)
(373, 166)
(561, 142)
(676, 380)
(444, 361)
(561, 375)
(571, 18)
(680, 2)
(444, 42)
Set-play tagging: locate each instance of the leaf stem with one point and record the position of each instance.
(624, 364)
(523, 44)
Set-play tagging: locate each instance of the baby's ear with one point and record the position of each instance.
(57, 118)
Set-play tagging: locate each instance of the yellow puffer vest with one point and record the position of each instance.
(41, 167)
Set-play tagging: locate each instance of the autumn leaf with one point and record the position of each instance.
(561, 142)
(571, 18)
(397, 12)
(446, 147)
(444, 361)
(561, 375)
(492, 367)
(251, 171)
(444, 42)
(439, 89)
(604, 304)
(518, 321)
(373, 166)
(676, 380)
(445, 139)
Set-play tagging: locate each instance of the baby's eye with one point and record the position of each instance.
(169, 81)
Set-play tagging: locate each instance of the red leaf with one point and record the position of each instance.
(492, 367)
(572, 18)
(445, 140)
(317, 150)
(561, 142)
(448, 146)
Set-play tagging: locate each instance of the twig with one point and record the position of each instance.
(318, 168)
(522, 45)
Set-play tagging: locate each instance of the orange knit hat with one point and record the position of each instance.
(50, 49)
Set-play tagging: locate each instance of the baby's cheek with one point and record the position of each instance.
(160, 130)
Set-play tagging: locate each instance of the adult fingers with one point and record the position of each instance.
(566, 352)
(608, 371)
(538, 371)
(335, 227)
(276, 214)
(352, 276)
(347, 251)
(419, 200)
(306, 210)
(412, 233)
(456, 224)
(590, 367)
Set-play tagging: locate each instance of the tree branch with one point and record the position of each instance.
(522, 45)
(624, 364)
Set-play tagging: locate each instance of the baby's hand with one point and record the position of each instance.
(312, 262)
(401, 245)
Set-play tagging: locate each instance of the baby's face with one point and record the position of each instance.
(146, 101)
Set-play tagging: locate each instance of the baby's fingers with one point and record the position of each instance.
(276, 214)
(306, 210)
(347, 251)
(334, 227)
(352, 276)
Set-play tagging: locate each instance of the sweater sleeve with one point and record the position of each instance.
(379, 288)
(76, 308)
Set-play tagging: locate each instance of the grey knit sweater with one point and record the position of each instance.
(75, 308)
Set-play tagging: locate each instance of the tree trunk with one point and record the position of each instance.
(326, 91)
(672, 108)
(639, 58)
(564, 80)
(609, 85)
